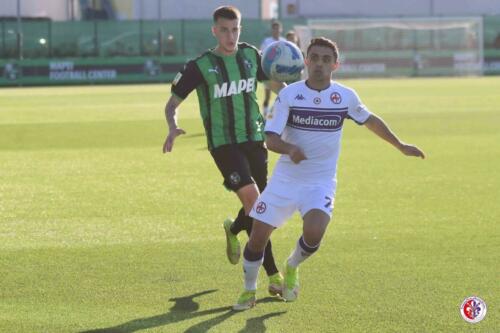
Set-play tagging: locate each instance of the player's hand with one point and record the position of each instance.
(296, 154)
(411, 150)
(169, 142)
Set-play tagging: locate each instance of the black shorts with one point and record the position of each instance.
(242, 164)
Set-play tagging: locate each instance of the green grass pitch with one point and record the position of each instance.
(101, 231)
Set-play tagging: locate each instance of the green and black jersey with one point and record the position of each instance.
(226, 88)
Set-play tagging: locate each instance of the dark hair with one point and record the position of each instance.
(227, 12)
(322, 41)
(276, 23)
(292, 33)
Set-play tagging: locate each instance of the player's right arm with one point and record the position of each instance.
(275, 124)
(276, 144)
(184, 82)
(173, 129)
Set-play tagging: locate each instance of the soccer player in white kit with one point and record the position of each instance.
(305, 126)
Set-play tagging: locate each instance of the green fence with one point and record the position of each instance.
(47, 39)
(153, 51)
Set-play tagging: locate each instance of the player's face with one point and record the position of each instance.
(276, 31)
(227, 33)
(292, 38)
(321, 63)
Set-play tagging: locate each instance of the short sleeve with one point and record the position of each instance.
(278, 117)
(186, 80)
(357, 111)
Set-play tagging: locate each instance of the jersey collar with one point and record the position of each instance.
(308, 86)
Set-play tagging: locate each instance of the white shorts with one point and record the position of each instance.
(282, 198)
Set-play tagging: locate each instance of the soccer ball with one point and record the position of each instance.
(282, 61)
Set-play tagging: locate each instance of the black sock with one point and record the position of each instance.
(269, 264)
(240, 222)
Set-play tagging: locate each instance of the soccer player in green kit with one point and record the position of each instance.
(225, 79)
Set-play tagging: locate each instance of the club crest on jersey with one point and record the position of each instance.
(248, 64)
(336, 98)
(317, 100)
(234, 87)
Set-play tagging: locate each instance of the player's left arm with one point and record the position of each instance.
(378, 126)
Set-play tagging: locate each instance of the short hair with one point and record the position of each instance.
(290, 33)
(322, 41)
(227, 12)
(275, 23)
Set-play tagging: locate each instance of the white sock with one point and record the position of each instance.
(299, 254)
(251, 271)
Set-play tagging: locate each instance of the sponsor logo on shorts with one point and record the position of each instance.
(235, 178)
(261, 207)
(473, 309)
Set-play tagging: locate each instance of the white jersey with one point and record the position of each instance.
(313, 120)
(268, 41)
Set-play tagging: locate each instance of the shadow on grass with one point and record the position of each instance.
(256, 325)
(186, 308)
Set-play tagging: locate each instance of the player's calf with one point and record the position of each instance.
(251, 265)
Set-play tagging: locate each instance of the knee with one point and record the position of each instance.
(313, 232)
(248, 195)
(259, 236)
